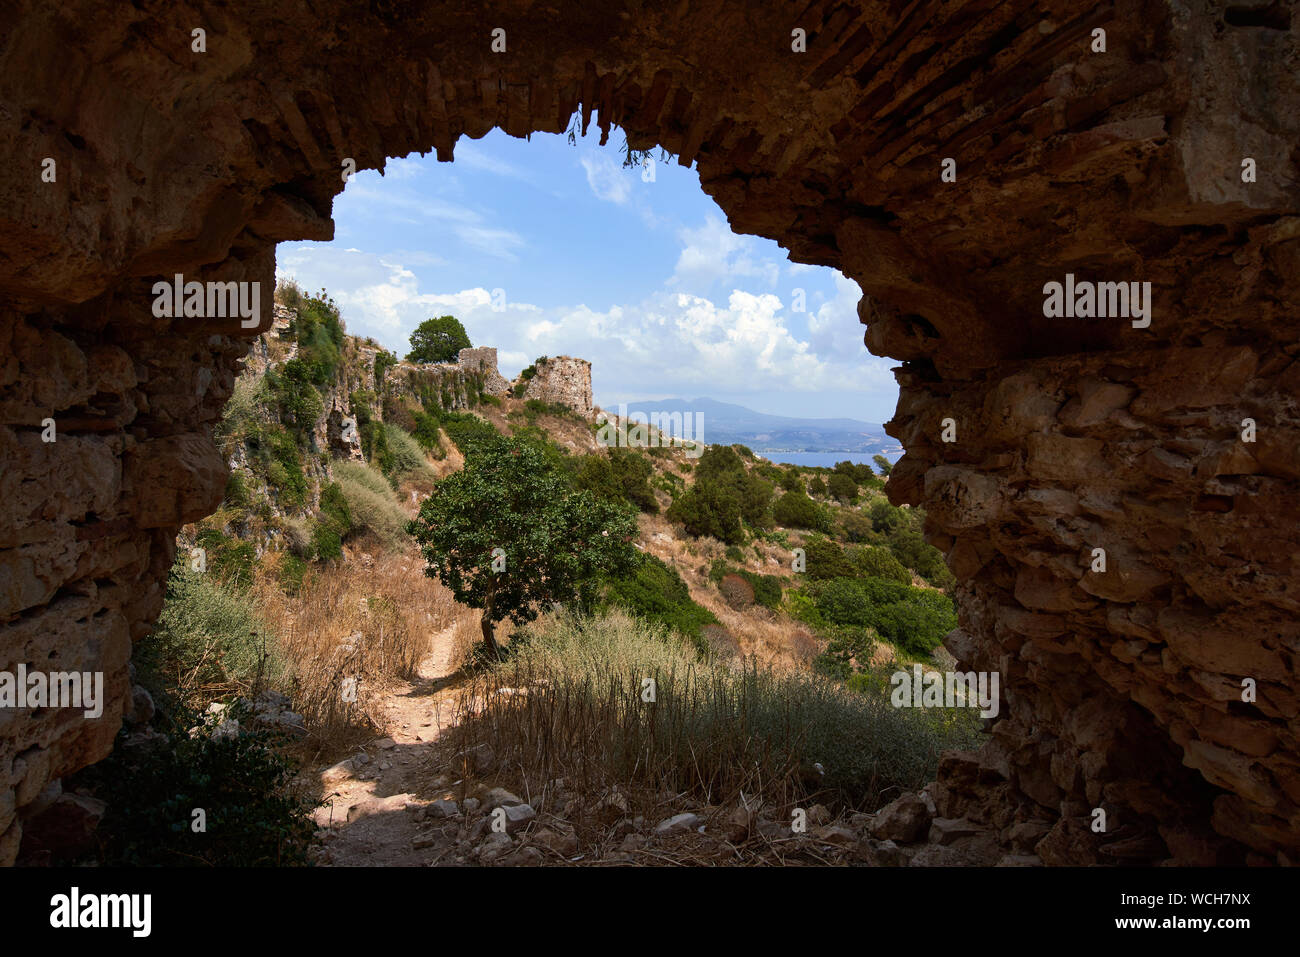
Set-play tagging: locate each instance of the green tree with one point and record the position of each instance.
(825, 559)
(885, 517)
(509, 535)
(724, 494)
(438, 340)
(797, 510)
(883, 464)
(856, 527)
(842, 486)
(707, 508)
(880, 563)
(622, 474)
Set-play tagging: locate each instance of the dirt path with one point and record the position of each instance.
(377, 800)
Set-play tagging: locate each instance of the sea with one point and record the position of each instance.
(826, 459)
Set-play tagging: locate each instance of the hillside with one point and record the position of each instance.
(301, 609)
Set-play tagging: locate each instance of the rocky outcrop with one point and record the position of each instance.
(1140, 140)
(560, 380)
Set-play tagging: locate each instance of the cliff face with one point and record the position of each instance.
(1164, 155)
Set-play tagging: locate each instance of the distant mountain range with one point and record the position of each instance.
(727, 424)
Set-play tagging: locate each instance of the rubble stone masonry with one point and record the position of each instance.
(1126, 689)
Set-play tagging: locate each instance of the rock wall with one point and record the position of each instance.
(1123, 687)
(91, 516)
(1164, 155)
(561, 380)
(451, 385)
(482, 361)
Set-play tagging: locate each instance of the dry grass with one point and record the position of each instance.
(567, 711)
(370, 620)
(465, 635)
(775, 640)
(453, 461)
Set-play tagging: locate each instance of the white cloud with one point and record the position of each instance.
(672, 343)
(714, 254)
(465, 224)
(403, 167)
(607, 179)
(467, 154)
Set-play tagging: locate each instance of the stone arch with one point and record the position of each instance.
(1119, 690)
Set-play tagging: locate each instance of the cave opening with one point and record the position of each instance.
(1063, 441)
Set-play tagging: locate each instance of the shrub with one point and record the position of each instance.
(384, 360)
(326, 543)
(655, 591)
(825, 559)
(288, 294)
(737, 592)
(294, 396)
(766, 588)
(291, 573)
(468, 431)
(228, 560)
(237, 494)
(879, 563)
(842, 486)
(536, 407)
(556, 457)
(426, 431)
(274, 454)
(915, 619)
(843, 601)
(318, 329)
(709, 509)
(856, 527)
(724, 495)
(919, 623)
(620, 475)
(254, 817)
(372, 504)
(208, 634)
(910, 548)
(403, 459)
(241, 415)
(817, 486)
(885, 517)
(334, 508)
(797, 510)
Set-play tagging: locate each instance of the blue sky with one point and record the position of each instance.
(644, 279)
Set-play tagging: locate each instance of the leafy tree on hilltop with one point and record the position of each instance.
(554, 542)
(883, 464)
(438, 340)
